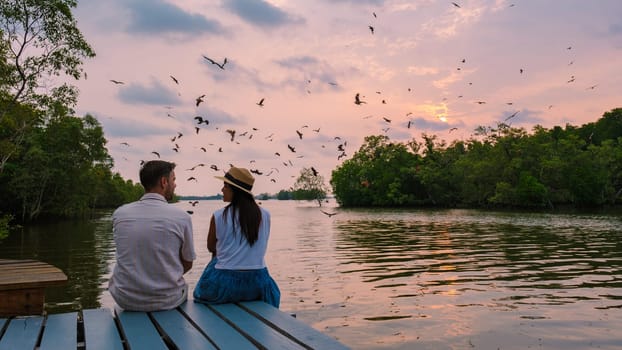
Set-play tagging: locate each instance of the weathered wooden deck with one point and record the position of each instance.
(246, 325)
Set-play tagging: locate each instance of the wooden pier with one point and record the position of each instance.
(246, 325)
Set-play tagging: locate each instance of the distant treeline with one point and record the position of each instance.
(500, 166)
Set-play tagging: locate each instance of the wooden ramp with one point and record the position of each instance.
(246, 325)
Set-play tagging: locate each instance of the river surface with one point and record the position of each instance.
(398, 279)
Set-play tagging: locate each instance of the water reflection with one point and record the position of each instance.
(81, 248)
(399, 279)
(546, 260)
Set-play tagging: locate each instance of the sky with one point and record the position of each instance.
(427, 67)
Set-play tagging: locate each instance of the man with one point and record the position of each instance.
(154, 243)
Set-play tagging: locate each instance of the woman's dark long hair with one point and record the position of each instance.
(248, 211)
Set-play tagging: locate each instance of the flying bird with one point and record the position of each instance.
(232, 133)
(125, 143)
(117, 82)
(458, 6)
(357, 99)
(220, 65)
(174, 79)
(371, 29)
(199, 100)
(260, 103)
(200, 120)
(192, 178)
(327, 213)
(193, 203)
(386, 119)
(299, 134)
(314, 171)
(156, 153)
(291, 148)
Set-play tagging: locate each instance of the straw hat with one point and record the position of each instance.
(240, 178)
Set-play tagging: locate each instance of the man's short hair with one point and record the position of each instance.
(152, 171)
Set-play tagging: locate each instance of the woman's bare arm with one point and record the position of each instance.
(211, 236)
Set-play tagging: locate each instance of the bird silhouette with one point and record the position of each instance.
(199, 100)
(458, 6)
(117, 82)
(220, 65)
(357, 99)
(291, 148)
(156, 153)
(260, 103)
(193, 203)
(327, 213)
(315, 173)
(232, 133)
(386, 119)
(174, 79)
(200, 120)
(371, 29)
(125, 143)
(214, 167)
(299, 134)
(192, 178)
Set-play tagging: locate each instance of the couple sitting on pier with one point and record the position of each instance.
(154, 246)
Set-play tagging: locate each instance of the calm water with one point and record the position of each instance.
(399, 279)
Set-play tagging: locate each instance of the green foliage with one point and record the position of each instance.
(309, 186)
(284, 195)
(5, 221)
(497, 167)
(380, 173)
(39, 40)
(62, 170)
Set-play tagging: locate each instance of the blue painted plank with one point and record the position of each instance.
(297, 329)
(100, 331)
(61, 332)
(22, 333)
(254, 327)
(181, 331)
(140, 332)
(219, 331)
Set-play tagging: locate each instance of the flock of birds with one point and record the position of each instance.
(289, 155)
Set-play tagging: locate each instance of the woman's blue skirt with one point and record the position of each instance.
(217, 286)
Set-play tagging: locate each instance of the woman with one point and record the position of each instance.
(238, 238)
